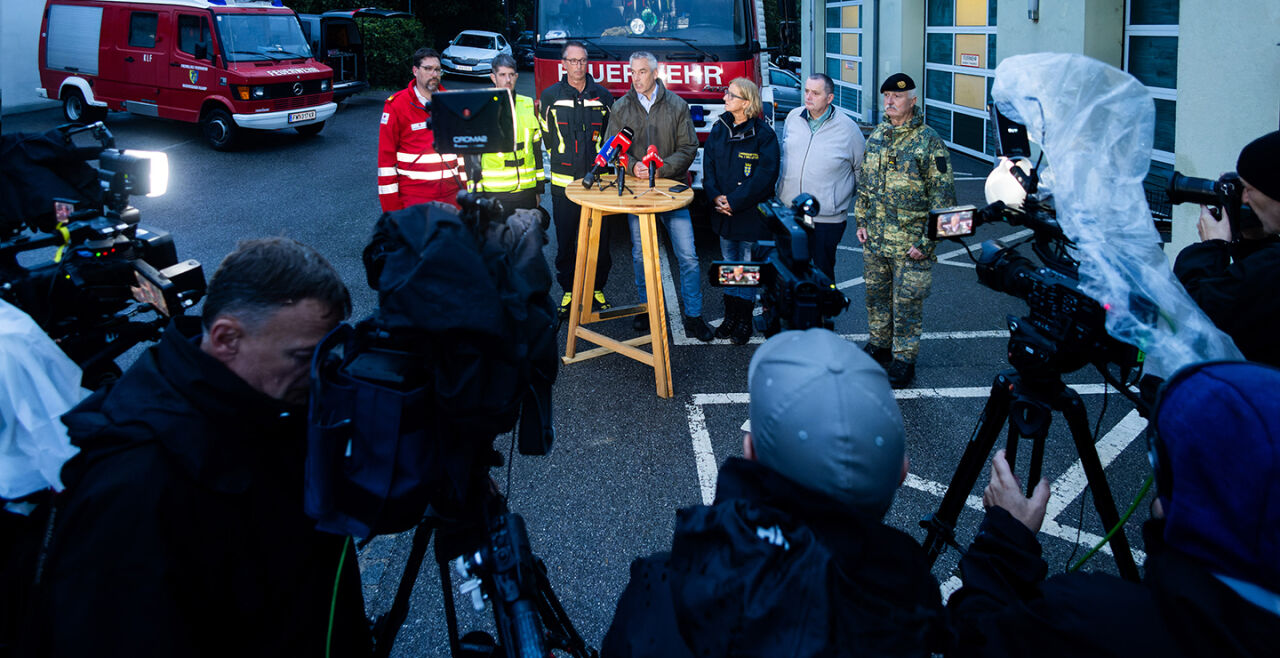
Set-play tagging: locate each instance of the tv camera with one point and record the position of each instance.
(1063, 331)
(404, 353)
(796, 295)
(106, 270)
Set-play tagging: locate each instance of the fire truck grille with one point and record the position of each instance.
(295, 102)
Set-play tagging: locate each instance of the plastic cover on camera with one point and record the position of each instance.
(38, 383)
(1095, 125)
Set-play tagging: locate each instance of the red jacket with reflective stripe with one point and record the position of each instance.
(409, 169)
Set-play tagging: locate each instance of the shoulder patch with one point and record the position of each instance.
(386, 116)
(942, 164)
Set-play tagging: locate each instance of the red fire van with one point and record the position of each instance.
(226, 64)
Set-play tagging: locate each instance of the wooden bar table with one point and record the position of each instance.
(646, 203)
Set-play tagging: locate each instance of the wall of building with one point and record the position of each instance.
(901, 29)
(1092, 27)
(19, 39)
(1228, 90)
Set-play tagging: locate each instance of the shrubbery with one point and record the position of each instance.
(388, 45)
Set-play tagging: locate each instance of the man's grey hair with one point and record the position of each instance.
(826, 82)
(506, 60)
(644, 54)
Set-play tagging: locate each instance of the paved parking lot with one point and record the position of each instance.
(625, 460)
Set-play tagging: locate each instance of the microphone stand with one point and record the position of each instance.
(620, 179)
(652, 189)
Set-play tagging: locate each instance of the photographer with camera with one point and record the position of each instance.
(1212, 583)
(1235, 282)
(794, 559)
(906, 171)
(182, 530)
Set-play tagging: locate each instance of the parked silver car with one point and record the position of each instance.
(788, 93)
(471, 53)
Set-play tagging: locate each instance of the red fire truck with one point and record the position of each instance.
(227, 64)
(701, 45)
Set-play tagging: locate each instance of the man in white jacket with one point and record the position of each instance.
(821, 154)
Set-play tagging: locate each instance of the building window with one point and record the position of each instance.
(843, 57)
(960, 49)
(1151, 56)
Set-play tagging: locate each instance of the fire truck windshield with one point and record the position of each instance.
(249, 37)
(643, 24)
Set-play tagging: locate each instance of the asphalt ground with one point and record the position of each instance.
(625, 460)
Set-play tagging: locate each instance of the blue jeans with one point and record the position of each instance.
(738, 250)
(680, 230)
(826, 237)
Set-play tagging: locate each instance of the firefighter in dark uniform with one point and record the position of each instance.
(905, 172)
(575, 112)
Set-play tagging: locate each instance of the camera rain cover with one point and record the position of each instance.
(1095, 124)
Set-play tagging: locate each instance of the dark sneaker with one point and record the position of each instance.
(696, 327)
(565, 303)
(882, 355)
(901, 373)
(598, 302)
(641, 323)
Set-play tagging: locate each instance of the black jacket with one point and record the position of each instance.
(1236, 287)
(573, 125)
(181, 532)
(1007, 608)
(740, 162)
(773, 569)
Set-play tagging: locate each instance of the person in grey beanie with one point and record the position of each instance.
(793, 558)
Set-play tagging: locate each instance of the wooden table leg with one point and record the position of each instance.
(656, 304)
(584, 269)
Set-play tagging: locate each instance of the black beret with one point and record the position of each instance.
(1257, 164)
(898, 82)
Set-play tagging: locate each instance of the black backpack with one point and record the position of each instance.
(462, 348)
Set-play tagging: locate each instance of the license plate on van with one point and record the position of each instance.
(463, 68)
(302, 116)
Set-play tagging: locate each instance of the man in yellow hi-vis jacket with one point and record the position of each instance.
(516, 179)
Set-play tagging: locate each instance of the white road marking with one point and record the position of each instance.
(703, 454)
(1071, 484)
(949, 587)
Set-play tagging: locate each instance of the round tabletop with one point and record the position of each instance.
(635, 202)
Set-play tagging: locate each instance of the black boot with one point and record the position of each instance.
(901, 373)
(746, 323)
(731, 313)
(695, 326)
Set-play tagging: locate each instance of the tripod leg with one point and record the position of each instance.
(941, 525)
(1073, 409)
(560, 630)
(388, 625)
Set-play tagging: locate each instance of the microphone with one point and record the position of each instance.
(624, 161)
(654, 161)
(620, 143)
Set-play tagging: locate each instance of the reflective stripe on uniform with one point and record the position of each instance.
(389, 189)
(426, 158)
(386, 171)
(428, 175)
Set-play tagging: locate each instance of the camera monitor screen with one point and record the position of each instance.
(737, 274)
(951, 222)
(1011, 136)
(473, 121)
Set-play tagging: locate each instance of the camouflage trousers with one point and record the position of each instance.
(896, 288)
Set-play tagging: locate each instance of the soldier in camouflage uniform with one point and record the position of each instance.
(906, 171)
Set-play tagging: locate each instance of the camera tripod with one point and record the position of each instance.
(529, 617)
(1027, 403)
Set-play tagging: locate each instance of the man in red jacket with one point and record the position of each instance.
(409, 169)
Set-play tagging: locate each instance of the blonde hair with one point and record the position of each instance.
(750, 94)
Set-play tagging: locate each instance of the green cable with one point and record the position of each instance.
(1146, 486)
(333, 604)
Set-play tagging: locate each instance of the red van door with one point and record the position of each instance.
(191, 74)
(142, 60)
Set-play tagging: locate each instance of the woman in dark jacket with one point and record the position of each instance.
(740, 168)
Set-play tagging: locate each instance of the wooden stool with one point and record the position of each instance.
(595, 205)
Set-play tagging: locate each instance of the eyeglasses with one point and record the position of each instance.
(575, 62)
(429, 69)
(730, 94)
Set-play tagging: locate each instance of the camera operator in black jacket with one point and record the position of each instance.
(793, 558)
(182, 530)
(1235, 283)
(1212, 577)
